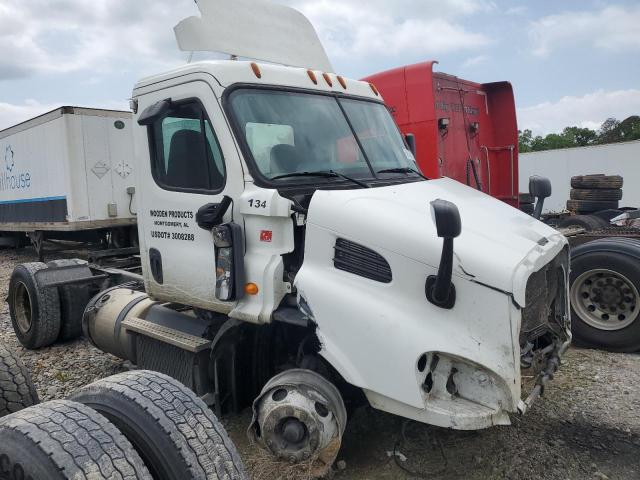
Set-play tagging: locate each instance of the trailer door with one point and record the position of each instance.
(187, 158)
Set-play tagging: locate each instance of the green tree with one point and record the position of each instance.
(580, 137)
(524, 140)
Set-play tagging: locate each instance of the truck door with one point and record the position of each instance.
(187, 158)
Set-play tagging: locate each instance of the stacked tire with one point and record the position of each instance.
(135, 425)
(593, 193)
(526, 202)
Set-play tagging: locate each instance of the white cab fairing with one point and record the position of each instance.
(374, 333)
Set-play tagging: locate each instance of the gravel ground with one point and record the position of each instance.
(586, 426)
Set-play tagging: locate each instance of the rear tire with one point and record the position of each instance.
(16, 388)
(73, 300)
(63, 440)
(35, 312)
(597, 181)
(173, 430)
(606, 315)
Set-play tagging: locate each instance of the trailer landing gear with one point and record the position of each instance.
(300, 416)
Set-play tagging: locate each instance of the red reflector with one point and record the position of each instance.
(266, 235)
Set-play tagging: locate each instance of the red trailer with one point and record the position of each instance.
(463, 130)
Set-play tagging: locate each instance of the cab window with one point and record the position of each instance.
(186, 153)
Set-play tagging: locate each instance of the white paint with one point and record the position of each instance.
(374, 333)
(72, 156)
(254, 29)
(560, 165)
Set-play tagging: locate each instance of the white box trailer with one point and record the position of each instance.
(69, 170)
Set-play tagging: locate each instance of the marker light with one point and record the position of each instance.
(312, 76)
(256, 69)
(327, 79)
(251, 289)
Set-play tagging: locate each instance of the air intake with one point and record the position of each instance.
(354, 258)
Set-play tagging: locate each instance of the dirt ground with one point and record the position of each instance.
(586, 426)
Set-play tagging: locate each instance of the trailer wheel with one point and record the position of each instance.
(590, 206)
(588, 222)
(35, 312)
(595, 194)
(605, 294)
(173, 430)
(16, 388)
(63, 440)
(597, 181)
(73, 300)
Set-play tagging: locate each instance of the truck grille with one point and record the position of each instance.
(359, 260)
(546, 300)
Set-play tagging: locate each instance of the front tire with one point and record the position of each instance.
(605, 294)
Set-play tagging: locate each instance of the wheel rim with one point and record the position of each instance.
(22, 306)
(605, 299)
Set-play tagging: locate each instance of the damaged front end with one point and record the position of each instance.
(545, 332)
(460, 367)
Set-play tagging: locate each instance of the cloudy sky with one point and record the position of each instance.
(571, 62)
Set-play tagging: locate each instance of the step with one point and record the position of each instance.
(182, 340)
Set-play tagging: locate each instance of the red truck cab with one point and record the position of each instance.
(464, 130)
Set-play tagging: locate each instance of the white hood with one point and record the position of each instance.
(499, 246)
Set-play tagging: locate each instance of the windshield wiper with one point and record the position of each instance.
(402, 170)
(321, 173)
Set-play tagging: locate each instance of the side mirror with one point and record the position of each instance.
(539, 188)
(438, 288)
(153, 112)
(410, 138)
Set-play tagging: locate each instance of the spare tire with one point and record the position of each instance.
(597, 181)
(595, 194)
(176, 434)
(589, 206)
(35, 311)
(73, 300)
(588, 222)
(62, 440)
(16, 388)
(604, 293)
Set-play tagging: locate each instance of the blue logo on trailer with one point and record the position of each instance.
(10, 179)
(8, 159)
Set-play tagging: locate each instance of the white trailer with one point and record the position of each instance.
(560, 165)
(68, 172)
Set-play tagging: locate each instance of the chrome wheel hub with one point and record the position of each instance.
(605, 299)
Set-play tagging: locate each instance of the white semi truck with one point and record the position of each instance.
(294, 258)
(68, 175)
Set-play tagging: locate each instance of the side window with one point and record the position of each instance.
(186, 154)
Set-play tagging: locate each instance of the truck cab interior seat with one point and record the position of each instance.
(191, 163)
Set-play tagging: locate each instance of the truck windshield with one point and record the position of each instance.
(292, 132)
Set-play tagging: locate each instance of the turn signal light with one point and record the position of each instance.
(251, 289)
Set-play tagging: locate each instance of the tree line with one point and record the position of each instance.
(611, 131)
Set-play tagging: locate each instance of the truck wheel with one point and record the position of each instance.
(16, 388)
(300, 416)
(35, 312)
(590, 206)
(594, 194)
(588, 222)
(605, 298)
(173, 430)
(73, 300)
(63, 440)
(597, 181)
